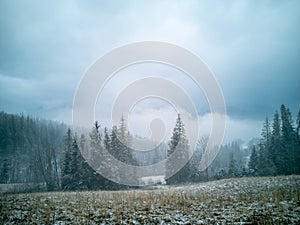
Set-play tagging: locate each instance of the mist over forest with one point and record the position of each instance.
(48, 155)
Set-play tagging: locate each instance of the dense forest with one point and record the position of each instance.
(31, 150)
(278, 152)
(36, 151)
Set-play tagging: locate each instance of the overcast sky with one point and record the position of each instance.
(252, 47)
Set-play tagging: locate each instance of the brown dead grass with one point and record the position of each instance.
(260, 200)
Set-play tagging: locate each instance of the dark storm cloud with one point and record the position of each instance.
(254, 50)
(252, 47)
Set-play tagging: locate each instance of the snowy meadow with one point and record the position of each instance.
(258, 200)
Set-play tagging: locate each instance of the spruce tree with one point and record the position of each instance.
(76, 172)
(66, 167)
(119, 143)
(279, 148)
(95, 145)
(106, 141)
(232, 168)
(266, 133)
(180, 143)
(113, 146)
(75, 167)
(124, 153)
(99, 160)
(277, 156)
(253, 162)
(289, 148)
(262, 157)
(266, 166)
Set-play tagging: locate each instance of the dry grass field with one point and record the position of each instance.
(260, 200)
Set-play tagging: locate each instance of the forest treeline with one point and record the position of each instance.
(278, 152)
(41, 151)
(30, 150)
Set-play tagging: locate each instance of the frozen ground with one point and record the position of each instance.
(263, 200)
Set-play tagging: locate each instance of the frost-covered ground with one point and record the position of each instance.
(263, 200)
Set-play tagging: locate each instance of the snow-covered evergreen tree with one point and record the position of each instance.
(67, 160)
(106, 140)
(95, 146)
(179, 145)
(290, 148)
(232, 168)
(266, 165)
(253, 162)
(276, 148)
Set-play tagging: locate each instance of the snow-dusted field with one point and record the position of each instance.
(263, 200)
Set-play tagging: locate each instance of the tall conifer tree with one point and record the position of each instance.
(179, 145)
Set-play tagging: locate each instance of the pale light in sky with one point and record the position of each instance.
(253, 48)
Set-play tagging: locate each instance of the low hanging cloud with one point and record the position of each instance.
(144, 114)
(253, 48)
